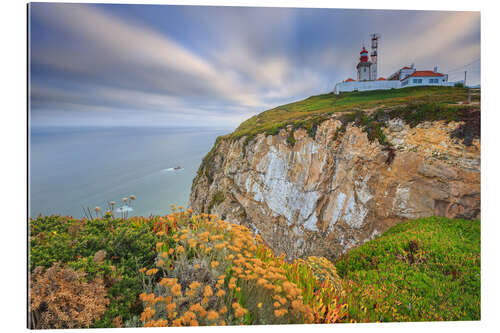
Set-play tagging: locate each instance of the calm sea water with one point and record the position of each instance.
(71, 168)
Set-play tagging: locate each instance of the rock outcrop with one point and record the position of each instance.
(323, 195)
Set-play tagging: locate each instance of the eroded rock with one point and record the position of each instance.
(323, 196)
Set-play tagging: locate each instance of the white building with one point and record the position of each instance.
(404, 77)
(427, 78)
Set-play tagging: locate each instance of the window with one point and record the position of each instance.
(415, 80)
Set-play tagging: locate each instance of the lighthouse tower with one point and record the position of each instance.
(364, 66)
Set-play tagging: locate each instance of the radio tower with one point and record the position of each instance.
(373, 68)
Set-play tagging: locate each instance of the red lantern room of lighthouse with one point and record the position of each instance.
(363, 66)
(363, 55)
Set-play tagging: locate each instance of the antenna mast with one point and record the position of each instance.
(375, 37)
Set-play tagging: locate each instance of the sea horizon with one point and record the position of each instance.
(73, 169)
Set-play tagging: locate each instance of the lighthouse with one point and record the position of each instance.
(364, 66)
(368, 79)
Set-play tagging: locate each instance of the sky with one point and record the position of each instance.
(200, 66)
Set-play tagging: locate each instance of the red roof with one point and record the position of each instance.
(363, 51)
(406, 67)
(349, 80)
(424, 73)
(380, 79)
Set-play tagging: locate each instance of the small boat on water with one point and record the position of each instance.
(177, 168)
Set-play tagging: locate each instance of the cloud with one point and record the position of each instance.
(136, 56)
(217, 65)
(436, 37)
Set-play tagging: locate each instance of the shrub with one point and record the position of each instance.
(290, 139)
(128, 243)
(60, 298)
(215, 273)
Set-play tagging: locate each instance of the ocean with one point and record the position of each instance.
(71, 168)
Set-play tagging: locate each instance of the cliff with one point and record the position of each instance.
(328, 181)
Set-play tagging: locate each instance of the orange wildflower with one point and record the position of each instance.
(212, 315)
(208, 291)
(194, 285)
(176, 289)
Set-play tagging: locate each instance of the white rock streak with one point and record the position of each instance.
(338, 209)
(283, 196)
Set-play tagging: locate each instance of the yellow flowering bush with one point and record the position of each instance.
(214, 273)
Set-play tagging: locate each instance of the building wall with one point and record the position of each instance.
(366, 85)
(426, 81)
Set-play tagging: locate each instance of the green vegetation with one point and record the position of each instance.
(414, 114)
(206, 167)
(291, 139)
(212, 272)
(310, 112)
(74, 243)
(421, 270)
(126, 269)
(216, 200)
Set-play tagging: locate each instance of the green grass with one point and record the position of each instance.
(421, 270)
(313, 110)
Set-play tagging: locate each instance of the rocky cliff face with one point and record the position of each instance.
(326, 194)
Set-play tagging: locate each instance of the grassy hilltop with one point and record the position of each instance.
(315, 109)
(186, 269)
(367, 109)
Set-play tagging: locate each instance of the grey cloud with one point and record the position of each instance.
(253, 58)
